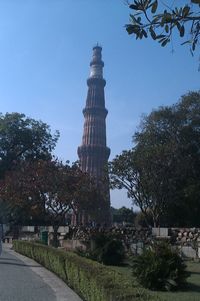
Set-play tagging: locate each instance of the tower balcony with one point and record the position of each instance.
(95, 111)
(96, 81)
(94, 150)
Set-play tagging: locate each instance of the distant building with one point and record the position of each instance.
(93, 152)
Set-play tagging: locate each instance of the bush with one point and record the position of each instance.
(112, 253)
(108, 250)
(91, 280)
(160, 268)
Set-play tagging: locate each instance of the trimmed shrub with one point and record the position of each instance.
(160, 268)
(38, 241)
(91, 280)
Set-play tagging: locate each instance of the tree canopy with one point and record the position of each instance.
(159, 19)
(123, 214)
(46, 190)
(35, 186)
(23, 138)
(162, 171)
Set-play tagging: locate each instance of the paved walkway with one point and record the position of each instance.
(22, 279)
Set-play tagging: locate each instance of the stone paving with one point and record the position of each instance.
(22, 279)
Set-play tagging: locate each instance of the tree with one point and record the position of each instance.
(5, 212)
(38, 186)
(49, 190)
(123, 214)
(23, 138)
(158, 20)
(130, 172)
(162, 172)
(175, 132)
(90, 198)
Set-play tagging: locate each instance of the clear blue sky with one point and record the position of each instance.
(45, 50)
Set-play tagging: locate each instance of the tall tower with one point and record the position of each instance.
(93, 153)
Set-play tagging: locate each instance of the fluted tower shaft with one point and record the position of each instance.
(93, 153)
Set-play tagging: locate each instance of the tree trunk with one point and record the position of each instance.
(55, 241)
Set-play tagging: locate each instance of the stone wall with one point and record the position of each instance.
(185, 236)
(73, 245)
(186, 239)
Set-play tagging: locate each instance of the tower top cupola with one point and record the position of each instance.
(96, 64)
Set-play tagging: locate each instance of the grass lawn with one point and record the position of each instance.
(193, 291)
(191, 294)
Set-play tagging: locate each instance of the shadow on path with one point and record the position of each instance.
(193, 288)
(20, 264)
(196, 273)
(7, 258)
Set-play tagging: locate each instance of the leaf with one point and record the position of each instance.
(154, 7)
(166, 18)
(178, 25)
(157, 18)
(141, 34)
(144, 33)
(160, 36)
(132, 29)
(133, 18)
(182, 31)
(164, 42)
(167, 28)
(152, 32)
(180, 11)
(195, 1)
(186, 10)
(136, 6)
(133, 6)
(176, 11)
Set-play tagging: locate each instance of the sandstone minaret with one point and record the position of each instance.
(93, 153)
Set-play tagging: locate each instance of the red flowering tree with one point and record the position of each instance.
(49, 189)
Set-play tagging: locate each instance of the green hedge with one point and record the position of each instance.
(90, 280)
